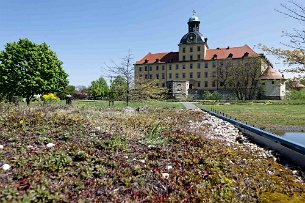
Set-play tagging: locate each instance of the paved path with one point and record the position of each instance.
(190, 106)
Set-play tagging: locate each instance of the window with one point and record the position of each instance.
(198, 74)
(221, 63)
(169, 67)
(163, 75)
(191, 66)
(214, 64)
(183, 75)
(214, 84)
(191, 49)
(150, 68)
(205, 83)
(157, 76)
(205, 74)
(263, 83)
(183, 50)
(191, 75)
(206, 65)
(140, 69)
(214, 74)
(163, 67)
(163, 84)
(157, 67)
(150, 76)
(145, 68)
(183, 66)
(146, 76)
(198, 48)
(183, 58)
(272, 82)
(177, 75)
(198, 56)
(191, 57)
(198, 84)
(177, 66)
(140, 75)
(170, 76)
(198, 65)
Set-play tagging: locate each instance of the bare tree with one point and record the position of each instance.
(240, 77)
(295, 55)
(126, 70)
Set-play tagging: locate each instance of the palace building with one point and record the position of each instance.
(196, 67)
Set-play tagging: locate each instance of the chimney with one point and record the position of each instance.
(218, 48)
(228, 47)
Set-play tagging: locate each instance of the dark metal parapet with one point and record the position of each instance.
(290, 150)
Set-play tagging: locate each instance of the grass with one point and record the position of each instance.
(109, 155)
(273, 117)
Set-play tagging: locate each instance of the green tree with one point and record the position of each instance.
(118, 88)
(144, 90)
(99, 88)
(27, 68)
(69, 90)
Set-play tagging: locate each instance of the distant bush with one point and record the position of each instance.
(207, 95)
(296, 95)
(50, 97)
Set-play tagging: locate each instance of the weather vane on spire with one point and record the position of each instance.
(194, 12)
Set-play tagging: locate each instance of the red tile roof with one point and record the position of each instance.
(223, 53)
(270, 74)
(166, 57)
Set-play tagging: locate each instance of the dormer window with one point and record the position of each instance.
(246, 54)
(230, 55)
(214, 57)
(146, 60)
(157, 60)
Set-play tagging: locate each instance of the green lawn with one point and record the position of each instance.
(273, 117)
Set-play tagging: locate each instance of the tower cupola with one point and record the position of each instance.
(193, 22)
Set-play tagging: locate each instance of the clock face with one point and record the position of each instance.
(191, 37)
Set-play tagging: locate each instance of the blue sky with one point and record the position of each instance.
(87, 34)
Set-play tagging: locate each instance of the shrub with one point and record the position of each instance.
(207, 95)
(296, 95)
(50, 97)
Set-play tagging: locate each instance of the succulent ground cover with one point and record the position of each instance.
(70, 154)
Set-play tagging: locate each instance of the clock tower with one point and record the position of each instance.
(193, 45)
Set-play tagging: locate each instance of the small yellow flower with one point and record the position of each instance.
(21, 122)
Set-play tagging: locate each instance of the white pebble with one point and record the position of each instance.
(165, 175)
(49, 145)
(142, 160)
(1, 146)
(169, 167)
(6, 167)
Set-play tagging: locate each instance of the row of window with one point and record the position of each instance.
(206, 65)
(191, 49)
(206, 84)
(191, 57)
(170, 75)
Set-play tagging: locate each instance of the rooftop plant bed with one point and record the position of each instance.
(67, 154)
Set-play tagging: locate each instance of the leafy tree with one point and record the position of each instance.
(27, 68)
(295, 54)
(125, 70)
(81, 92)
(118, 90)
(148, 90)
(240, 77)
(99, 88)
(69, 90)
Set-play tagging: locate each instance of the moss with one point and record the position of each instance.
(276, 197)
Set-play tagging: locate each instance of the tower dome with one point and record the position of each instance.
(194, 18)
